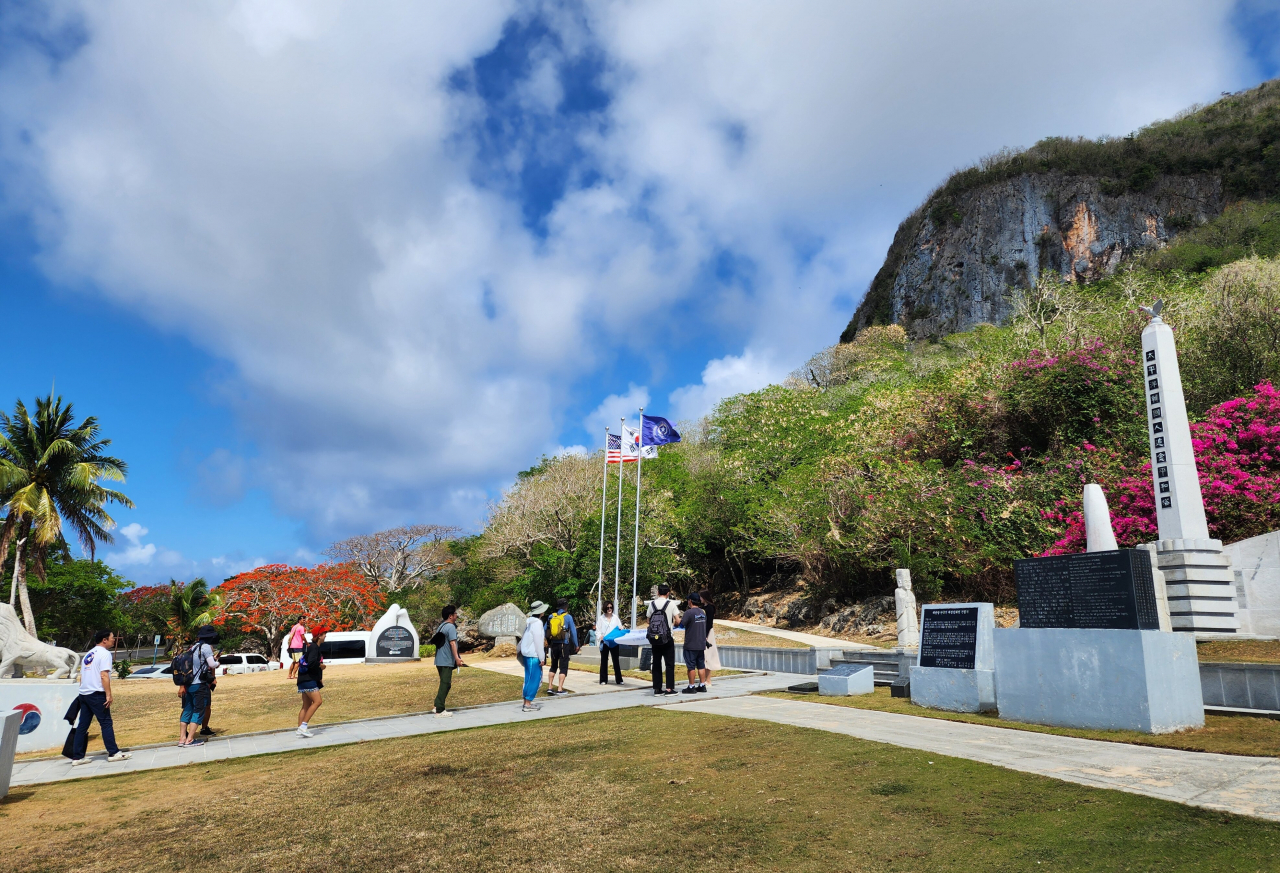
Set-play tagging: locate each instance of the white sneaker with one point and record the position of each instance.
(304, 733)
(444, 713)
(120, 756)
(78, 761)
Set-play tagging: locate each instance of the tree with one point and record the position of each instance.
(269, 599)
(76, 598)
(146, 608)
(191, 605)
(50, 470)
(403, 557)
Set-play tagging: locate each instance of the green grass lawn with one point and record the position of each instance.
(1227, 735)
(638, 790)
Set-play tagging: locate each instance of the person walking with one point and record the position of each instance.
(95, 700)
(195, 696)
(563, 635)
(310, 679)
(447, 657)
(694, 622)
(295, 640)
(663, 618)
(713, 651)
(606, 622)
(532, 648)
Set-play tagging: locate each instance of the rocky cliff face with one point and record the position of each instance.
(950, 269)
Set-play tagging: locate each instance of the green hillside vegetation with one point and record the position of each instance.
(951, 458)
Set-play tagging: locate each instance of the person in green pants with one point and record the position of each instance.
(447, 658)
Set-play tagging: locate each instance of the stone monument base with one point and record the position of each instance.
(42, 703)
(10, 723)
(846, 680)
(953, 690)
(1147, 681)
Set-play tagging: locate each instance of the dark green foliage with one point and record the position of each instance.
(76, 598)
(1244, 229)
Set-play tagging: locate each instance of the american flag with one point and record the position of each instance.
(613, 453)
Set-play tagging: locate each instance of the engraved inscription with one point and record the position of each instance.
(1160, 457)
(1166, 502)
(1155, 412)
(1151, 355)
(1164, 487)
(949, 637)
(1157, 427)
(1153, 384)
(1159, 442)
(1094, 590)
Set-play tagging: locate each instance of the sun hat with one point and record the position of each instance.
(207, 634)
(537, 607)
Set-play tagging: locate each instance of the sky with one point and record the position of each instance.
(324, 268)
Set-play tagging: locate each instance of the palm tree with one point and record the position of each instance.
(50, 470)
(190, 605)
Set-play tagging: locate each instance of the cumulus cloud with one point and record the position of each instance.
(614, 408)
(138, 554)
(416, 250)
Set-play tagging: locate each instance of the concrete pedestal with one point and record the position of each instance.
(42, 703)
(1200, 585)
(953, 690)
(9, 724)
(1146, 681)
(846, 680)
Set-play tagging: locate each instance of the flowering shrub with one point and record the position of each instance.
(269, 599)
(1238, 461)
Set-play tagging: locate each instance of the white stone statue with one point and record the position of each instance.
(905, 600)
(17, 647)
(1097, 521)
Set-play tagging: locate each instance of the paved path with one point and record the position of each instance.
(577, 681)
(818, 642)
(1231, 783)
(245, 745)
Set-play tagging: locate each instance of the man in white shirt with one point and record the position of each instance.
(95, 700)
(663, 643)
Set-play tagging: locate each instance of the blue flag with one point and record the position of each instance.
(658, 431)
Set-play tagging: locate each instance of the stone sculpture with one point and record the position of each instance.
(19, 648)
(1097, 521)
(503, 623)
(905, 601)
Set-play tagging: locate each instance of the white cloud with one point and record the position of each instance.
(613, 409)
(291, 185)
(725, 377)
(143, 555)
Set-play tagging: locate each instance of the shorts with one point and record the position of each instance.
(560, 658)
(695, 660)
(295, 655)
(194, 703)
(308, 687)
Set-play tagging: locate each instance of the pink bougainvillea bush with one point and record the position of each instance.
(1238, 459)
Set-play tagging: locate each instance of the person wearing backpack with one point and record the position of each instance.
(663, 617)
(193, 673)
(310, 679)
(445, 640)
(563, 636)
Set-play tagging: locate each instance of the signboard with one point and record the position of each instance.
(1099, 590)
(949, 637)
(395, 642)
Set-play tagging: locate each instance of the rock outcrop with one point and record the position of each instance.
(952, 268)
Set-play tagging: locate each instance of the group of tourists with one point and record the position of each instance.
(700, 653)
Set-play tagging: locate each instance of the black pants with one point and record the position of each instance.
(91, 706)
(605, 651)
(666, 652)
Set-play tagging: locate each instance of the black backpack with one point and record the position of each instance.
(184, 667)
(659, 628)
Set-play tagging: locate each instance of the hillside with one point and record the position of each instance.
(1072, 209)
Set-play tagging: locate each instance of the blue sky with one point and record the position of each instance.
(321, 269)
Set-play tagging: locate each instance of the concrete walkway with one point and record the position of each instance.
(818, 642)
(577, 681)
(244, 745)
(1230, 783)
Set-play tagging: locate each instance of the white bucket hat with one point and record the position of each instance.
(538, 607)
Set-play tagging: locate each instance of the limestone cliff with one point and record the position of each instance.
(949, 272)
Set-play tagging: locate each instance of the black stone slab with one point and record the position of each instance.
(395, 642)
(1099, 590)
(949, 637)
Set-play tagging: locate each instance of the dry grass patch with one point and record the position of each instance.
(1240, 651)
(146, 710)
(1226, 735)
(724, 794)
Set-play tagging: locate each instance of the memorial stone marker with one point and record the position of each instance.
(954, 669)
(950, 638)
(845, 680)
(395, 642)
(503, 623)
(1109, 590)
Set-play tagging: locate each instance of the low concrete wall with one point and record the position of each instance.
(1241, 686)
(42, 703)
(1256, 562)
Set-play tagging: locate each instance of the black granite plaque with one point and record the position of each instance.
(949, 637)
(1110, 590)
(395, 642)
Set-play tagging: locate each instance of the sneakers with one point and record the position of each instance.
(76, 762)
(205, 732)
(189, 745)
(444, 713)
(671, 691)
(689, 689)
(702, 689)
(304, 733)
(604, 681)
(119, 756)
(531, 707)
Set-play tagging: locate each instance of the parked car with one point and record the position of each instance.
(163, 670)
(245, 662)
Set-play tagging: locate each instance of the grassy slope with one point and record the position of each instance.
(640, 790)
(146, 711)
(1226, 735)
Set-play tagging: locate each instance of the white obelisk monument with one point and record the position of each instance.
(1198, 577)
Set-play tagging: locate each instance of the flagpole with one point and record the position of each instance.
(604, 511)
(635, 558)
(617, 548)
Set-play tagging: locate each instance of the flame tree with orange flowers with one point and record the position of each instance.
(270, 598)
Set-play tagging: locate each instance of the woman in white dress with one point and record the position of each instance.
(605, 622)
